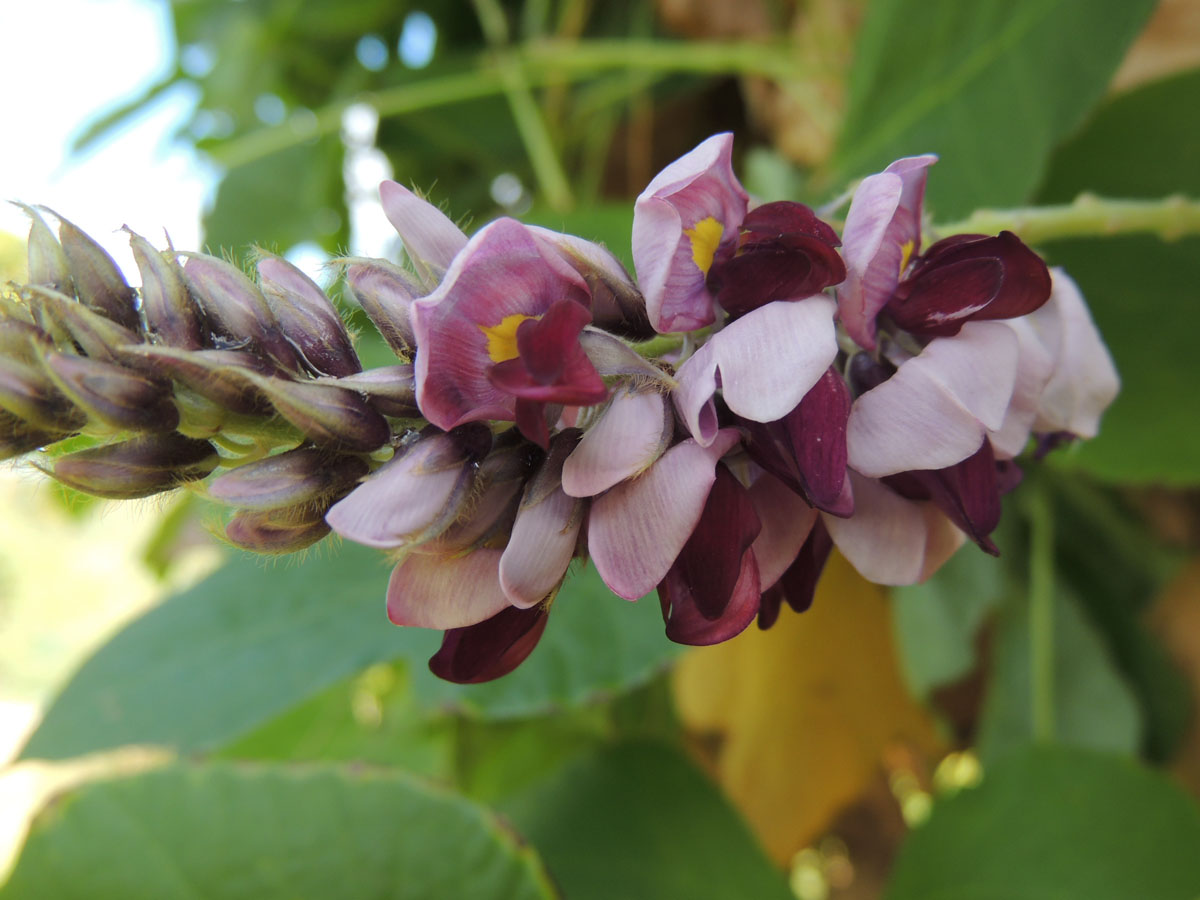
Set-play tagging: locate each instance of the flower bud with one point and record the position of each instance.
(17, 438)
(113, 395)
(18, 339)
(307, 318)
(47, 261)
(27, 394)
(385, 292)
(167, 306)
(216, 375)
(390, 389)
(98, 336)
(298, 476)
(98, 282)
(136, 468)
(328, 416)
(277, 530)
(236, 309)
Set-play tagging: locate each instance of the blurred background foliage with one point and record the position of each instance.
(311, 753)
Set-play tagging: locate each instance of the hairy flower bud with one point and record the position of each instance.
(27, 394)
(292, 478)
(307, 318)
(385, 292)
(138, 468)
(17, 438)
(98, 336)
(277, 530)
(98, 282)
(113, 395)
(167, 305)
(19, 339)
(327, 415)
(237, 310)
(390, 389)
(47, 260)
(216, 375)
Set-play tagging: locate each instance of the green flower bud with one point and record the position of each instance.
(97, 335)
(168, 308)
(137, 468)
(47, 262)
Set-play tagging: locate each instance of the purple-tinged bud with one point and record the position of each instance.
(18, 339)
(167, 305)
(303, 475)
(99, 284)
(17, 438)
(390, 389)
(236, 309)
(113, 395)
(328, 416)
(617, 305)
(277, 531)
(137, 468)
(47, 261)
(29, 395)
(98, 336)
(612, 357)
(385, 292)
(216, 375)
(307, 318)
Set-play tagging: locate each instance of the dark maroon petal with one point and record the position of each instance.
(967, 492)
(806, 449)
(969, 277)
(798, 584)
(1008, 476)
(865, 373)
(531, 421)
(686, 624)
(783, 217)
(545, 344)
(490, 649)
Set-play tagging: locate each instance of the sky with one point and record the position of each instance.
(67, 61)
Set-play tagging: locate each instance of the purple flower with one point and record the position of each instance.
(882, 233)
(685, 216)
(499, 338)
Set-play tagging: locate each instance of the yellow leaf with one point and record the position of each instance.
(802, 714)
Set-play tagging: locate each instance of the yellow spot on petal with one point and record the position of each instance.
(705, 235)
(906, 252)
(502, 337)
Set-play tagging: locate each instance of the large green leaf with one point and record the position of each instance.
(1056, 824)
(263, 833)
(638, 820)
(254, 640)
(1093, 706)
(1143, 293)
(992, 86)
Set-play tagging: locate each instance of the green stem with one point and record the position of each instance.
(539, 145)
(541, 62)
(1041, 612)
(1089, 216)
(662, 344)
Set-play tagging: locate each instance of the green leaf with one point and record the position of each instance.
(1142, 293)
(1093, 706)
(992, 86)
(936, 622)
(252, 641)
(638, 820)
(1056, 824)
(261, 833)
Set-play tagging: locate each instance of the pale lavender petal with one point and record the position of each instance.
(406, 500)
(786, 521)
(766, 362)
(891, 540)
(1033, 370)
(502, 272)
(630, 435)
(428, 591)
(430, 238)
(1084, 381)
(883, 230)
(540, 548)
(936, 409)
(637, 529)
(691, 207)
